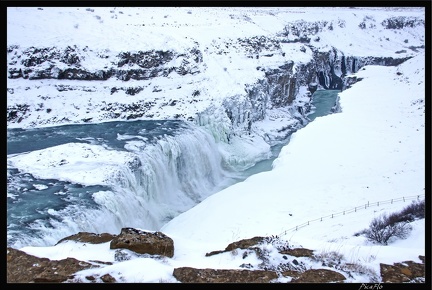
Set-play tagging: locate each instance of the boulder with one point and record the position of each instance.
(144, 242)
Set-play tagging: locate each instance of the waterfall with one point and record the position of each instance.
(145, 183)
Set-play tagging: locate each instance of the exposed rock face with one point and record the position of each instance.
(403, 272)
(242, 244)
(153, 243)
(401, 22)
(24, 268)
(192, 275)
(266, 274)
(298, 252)
(349, 81)
(69, 63)
(90, 238)
(319, 276)
(333, 66)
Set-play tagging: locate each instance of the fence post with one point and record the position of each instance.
(368, 203)
(296, 227)
(332, 215)
(404, 198)
(392, 201)
(344, 212)
(378, 203)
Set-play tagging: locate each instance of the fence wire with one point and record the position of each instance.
(355, 209)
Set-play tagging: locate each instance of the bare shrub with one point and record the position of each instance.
(384, 227)
(394, 225)
(416, 210)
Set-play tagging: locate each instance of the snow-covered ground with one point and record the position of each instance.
(373, 151)
(145, 28)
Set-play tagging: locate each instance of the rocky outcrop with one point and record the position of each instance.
(70, 63)
(298, 252)
(319, 276)
(242, 244)
(400, 22)
(267, 273)
(404, 272)
(24, 268)
(143, 242)
(192, 275)
(90, 238)
(349, 81)
(332, 67)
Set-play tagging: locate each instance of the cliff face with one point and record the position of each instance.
(268, 73)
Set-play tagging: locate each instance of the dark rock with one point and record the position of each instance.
(16, 112)
(90, 278)
(312, 87)
(422, 258)
(133, 90)
(145, 59)
(24, 268)
(107, 278)
(333, 66)
(400, 22)
(212, 253)
(192, 275)
(349, 81)
(291, 273)
(402, 272)
(319, 276)
(90, 238)
(142, 242)
(242, 244)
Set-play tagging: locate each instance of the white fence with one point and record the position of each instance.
(355, 209)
